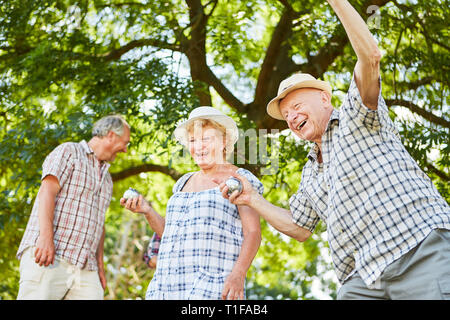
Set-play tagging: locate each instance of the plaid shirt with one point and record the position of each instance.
(200, 245)
(375, 200)
(152, 249)
(80, 206)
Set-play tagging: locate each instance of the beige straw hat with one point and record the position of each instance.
(296, 81)
(181, 134)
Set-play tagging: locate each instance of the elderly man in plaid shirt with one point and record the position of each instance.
(61, 251)
(388, 227)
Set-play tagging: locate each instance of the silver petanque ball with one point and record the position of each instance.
(130, 193)
(233, 184)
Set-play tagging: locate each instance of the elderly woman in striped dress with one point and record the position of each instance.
(208, 244)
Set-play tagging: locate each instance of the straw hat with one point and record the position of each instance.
(296, 81)
(181, 133)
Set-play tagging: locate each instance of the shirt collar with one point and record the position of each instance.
(314, 151)
(85, 146)
(334, 116)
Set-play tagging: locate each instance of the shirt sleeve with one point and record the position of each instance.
(152, 249)
(302, 212)
(356, 109)
(59, 163)
(153, 246)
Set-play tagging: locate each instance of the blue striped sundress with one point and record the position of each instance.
(201, 242)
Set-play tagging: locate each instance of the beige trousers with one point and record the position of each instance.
(61, 280)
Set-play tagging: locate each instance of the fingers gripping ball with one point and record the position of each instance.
(233, 184)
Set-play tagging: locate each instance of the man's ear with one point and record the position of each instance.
(326, 98)
(110, 135)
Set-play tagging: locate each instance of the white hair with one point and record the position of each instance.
(114, 123)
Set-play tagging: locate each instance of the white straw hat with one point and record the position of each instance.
(294, 82)
(181, 134)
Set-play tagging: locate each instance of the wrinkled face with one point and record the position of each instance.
(116, 144)
(307, 112)
(206, 145)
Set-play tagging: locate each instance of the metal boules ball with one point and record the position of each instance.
(130, 194)
(233, 184)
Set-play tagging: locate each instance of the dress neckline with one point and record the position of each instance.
(189, 175)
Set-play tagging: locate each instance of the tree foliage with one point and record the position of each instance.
(64, 64)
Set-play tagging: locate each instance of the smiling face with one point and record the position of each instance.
(116, 144)
(206, 144)
(307, 112)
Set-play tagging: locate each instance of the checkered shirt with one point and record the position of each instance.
(201, 242)
(375, 200)
(152, 249)
(80, 206)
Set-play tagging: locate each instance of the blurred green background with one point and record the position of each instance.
(65, 64)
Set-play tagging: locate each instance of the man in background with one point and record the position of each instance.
(61, 251)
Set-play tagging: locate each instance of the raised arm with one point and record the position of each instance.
(367, 69)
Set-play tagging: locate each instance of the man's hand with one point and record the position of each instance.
(279, 218)
(100, 264)
(45, 250)
(244, 198)
(101, 274)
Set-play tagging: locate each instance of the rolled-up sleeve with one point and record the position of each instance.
(360, 112)
(303, 213)
(59, 163)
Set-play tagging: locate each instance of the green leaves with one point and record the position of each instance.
(65, 64)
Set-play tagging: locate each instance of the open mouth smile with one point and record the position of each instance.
(301, 125)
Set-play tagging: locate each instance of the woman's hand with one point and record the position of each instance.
(137, 205)
(233, 288)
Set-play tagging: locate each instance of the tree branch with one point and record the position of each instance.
(420, 111)
(425, 32)
(317, 65)
(281, 33)
(116, 176)
(413, 85)
(211, 79)
(117, 53)
(118, 5)
(215, 2)
(444, 176)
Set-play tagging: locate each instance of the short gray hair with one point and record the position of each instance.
(114, 123)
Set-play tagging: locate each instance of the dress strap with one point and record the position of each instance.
(178, 186)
